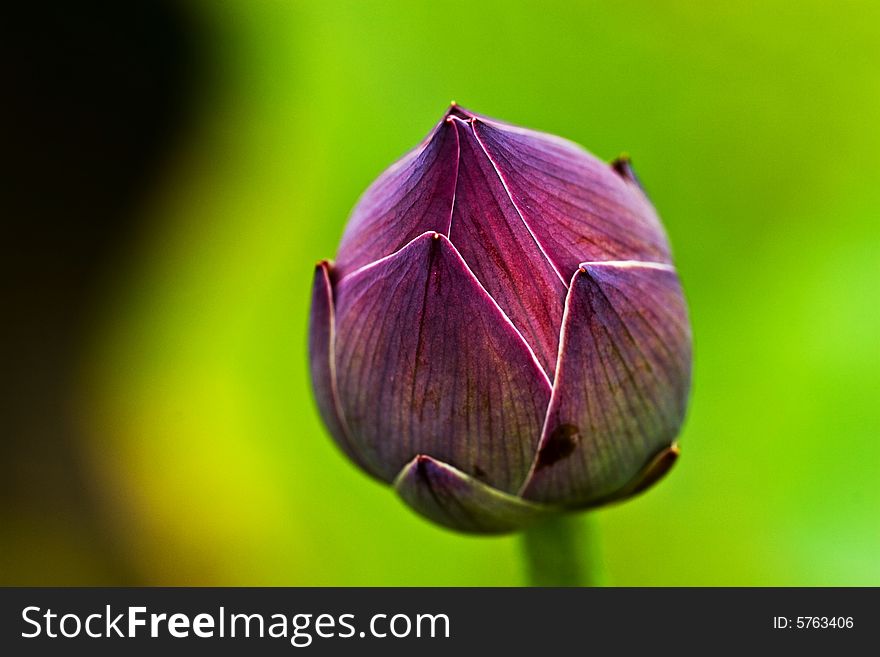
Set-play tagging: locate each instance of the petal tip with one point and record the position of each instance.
(326, 269)
(422, 465)
(659, 465)
(622, 165)
(456, 111)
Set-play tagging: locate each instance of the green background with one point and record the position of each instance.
(753, 126)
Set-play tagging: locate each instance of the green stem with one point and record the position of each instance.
(559, 552)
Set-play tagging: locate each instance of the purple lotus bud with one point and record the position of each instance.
(503, 335)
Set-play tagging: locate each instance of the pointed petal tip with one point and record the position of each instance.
(326, 269)
(456, 112)
(430, 239)
(421, 467)
(622, 165)
(657, 468)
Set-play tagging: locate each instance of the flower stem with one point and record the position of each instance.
(559, 552)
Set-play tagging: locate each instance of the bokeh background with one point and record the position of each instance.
(178, 167)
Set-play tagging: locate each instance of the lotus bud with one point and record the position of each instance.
(503, 335)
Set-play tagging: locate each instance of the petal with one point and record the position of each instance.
(428, 364)
(456, 500)
(653, 472)
(411, 197)
(621, 385)
(321, 362)
(578, 207)
(498, 245)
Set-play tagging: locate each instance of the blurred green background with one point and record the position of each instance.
(198, 453)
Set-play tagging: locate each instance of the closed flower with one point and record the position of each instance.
(502, 335)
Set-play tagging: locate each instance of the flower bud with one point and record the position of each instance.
(503, 334)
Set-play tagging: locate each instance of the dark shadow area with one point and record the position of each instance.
(97, 95)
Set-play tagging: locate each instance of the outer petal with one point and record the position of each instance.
(428, 364)
(578, 207)
(498, 245)
(412, 196)
(456, 500)
(621, 384)
(321, 346)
